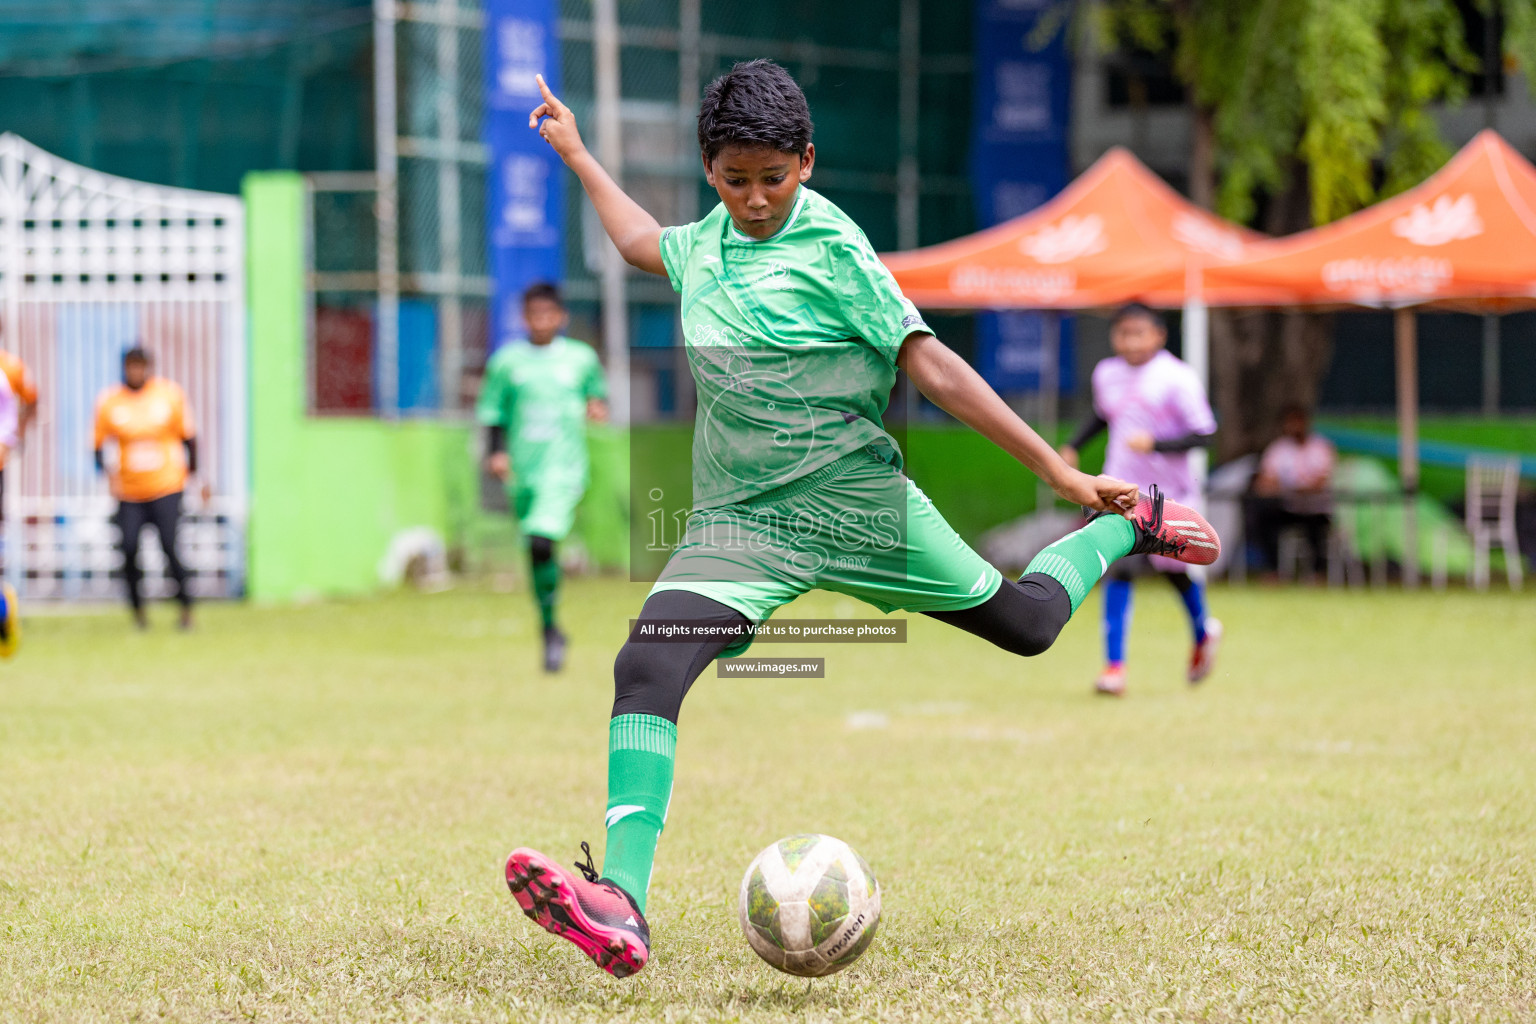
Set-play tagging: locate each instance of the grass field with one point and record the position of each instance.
(300, 815)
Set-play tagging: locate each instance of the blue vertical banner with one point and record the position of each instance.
(1020, 157)
(526, 204)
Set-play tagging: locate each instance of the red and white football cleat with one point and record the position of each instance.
(1169, 529)
(1111, 681)
(1172, 530)
(1203, 660)
(598, 916)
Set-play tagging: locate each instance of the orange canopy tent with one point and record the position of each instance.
(1117, 233)
(1465, 239)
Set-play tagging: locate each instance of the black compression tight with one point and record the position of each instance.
(652, 678)
(164, 514)
(1024, 617)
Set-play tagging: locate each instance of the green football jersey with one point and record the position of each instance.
(538, 394)
(792, 341)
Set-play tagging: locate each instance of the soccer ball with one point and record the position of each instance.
(809, 905)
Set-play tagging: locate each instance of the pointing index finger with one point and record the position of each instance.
(549, 97)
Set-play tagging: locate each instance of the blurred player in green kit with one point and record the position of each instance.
(537, 397)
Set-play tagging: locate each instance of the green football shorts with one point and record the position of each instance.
(857, 526)
(546, 508)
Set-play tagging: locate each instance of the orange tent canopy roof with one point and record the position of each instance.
(1465, 237)
(1117, 233)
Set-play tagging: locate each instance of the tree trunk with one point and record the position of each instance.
(1202, 159)
(1263, 361)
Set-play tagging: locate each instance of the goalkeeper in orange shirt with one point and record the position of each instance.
(147, 419)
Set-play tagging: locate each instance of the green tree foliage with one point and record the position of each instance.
(1341, 89)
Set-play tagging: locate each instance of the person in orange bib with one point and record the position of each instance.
(148, 420)
(24, 388)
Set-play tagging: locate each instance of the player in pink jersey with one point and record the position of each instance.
(1157, 413)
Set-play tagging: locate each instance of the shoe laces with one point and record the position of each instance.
(1153, 542)
(1156, 494)
(588, 870)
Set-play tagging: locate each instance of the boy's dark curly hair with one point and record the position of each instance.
(546, 290)
(1132, 310)
(756, 103)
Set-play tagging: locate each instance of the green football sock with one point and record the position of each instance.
(641, 750)
(546, 584)
(1078, 560)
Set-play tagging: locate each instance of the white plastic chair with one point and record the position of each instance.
(1491, 488)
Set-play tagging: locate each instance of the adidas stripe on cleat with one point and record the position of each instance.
(594, 914)
(1169, 529)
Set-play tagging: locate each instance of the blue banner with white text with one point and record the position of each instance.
(1020, 157)
(525, 204)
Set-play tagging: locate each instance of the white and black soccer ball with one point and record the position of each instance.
(809, 905)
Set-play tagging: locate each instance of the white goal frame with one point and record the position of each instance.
(89, 265)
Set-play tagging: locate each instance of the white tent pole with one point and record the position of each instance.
(387, 166)
(1197, 351)
(1408, 438)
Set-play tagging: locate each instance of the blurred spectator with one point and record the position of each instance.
(24, 388)
(1293, 488)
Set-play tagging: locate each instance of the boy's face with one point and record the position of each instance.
(545, 319)
(757, 185)
(1137, 338)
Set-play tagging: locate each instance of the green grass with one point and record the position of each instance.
(300, 815)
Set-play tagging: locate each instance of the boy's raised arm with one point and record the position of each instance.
(634, 232)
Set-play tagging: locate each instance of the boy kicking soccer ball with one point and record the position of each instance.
(795, 331)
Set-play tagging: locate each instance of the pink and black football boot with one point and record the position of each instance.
(1169, 529)
(594, 913)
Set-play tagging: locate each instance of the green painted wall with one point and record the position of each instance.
(328, 494)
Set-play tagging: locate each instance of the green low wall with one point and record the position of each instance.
(328, 494)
